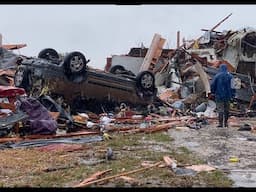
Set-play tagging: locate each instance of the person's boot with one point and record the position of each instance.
(226, 120)
(220, 120)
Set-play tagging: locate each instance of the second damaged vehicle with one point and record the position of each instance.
(70, 78)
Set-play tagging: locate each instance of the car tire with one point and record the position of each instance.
(117, 69)
(21, 78)
(75, 66)
(75, 63)
(49, 54)
(145, 80)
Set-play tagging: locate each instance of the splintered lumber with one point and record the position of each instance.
(119, 175)
(137, 130)
(93, 177)
(126, 128)
(30, 137)
(127, 120)
(130, 180)
(168, 160)
(156, 128)
(183, 118)
(80, 133)
(155, 115)
(162, 127)
(153, 53)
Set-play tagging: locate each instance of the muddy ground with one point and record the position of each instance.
(218, 146)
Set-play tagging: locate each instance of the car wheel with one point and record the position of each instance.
(21, 78)
(145, 80)
(117, 69)
(49, 54)
(75, 63)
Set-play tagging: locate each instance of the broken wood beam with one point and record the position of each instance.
(30, 137)
(155, 128)
(162, 127)
(121, 174)
(218, 24)
(93, 177)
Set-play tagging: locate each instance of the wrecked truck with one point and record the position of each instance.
(72, 80)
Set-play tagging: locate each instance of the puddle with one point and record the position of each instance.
(243, 178)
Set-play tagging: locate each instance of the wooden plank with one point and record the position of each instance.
(153, 53)
(163, 127)
(169, 162)
(121, 174)
(31, 137)
(93, 177)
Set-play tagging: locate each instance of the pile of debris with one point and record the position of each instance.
(146, 90)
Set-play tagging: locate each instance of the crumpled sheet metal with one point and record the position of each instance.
(15, 117)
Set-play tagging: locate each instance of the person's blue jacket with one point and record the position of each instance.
(221, 85)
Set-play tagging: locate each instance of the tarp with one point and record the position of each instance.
(40, 119)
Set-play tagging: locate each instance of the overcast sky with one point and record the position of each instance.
(100, 31)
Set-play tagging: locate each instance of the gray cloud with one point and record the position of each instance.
(100, 31)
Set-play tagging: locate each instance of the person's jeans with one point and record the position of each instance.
(223, 111)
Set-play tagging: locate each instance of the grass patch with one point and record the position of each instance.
(184, 150)
(158, 137)
(124, 140)
(25, 166)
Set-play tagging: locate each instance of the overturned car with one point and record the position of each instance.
(71, 79)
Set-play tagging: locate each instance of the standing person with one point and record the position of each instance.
(223, 93)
